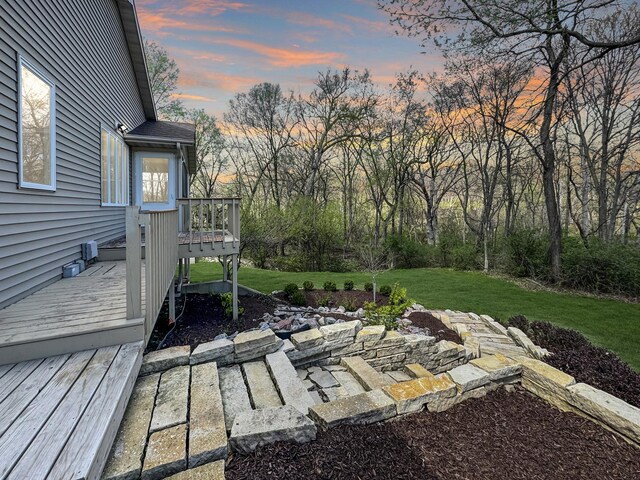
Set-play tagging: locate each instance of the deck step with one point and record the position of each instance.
(292, 390)
(369, 378)
(262, 391)
(235, 396)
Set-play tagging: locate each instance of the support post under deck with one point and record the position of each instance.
(234, 285)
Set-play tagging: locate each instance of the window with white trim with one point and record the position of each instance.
(37, 129)
(115, 169)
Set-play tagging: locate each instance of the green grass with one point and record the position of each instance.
(608, 323)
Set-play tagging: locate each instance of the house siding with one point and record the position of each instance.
(80, 46)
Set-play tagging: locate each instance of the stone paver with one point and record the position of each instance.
(323, 379)
(219, 351)
(370, 333)
(210, 471)
(166, 453)
(348, 382)
(125, 459)
(413, 395)
(207, 432)
(292, 390)
(468, 377)
(307, 339)
(171, 401)
(334, 393)
(262, 391)
(416, 370)
(546, 381)
(235, 397)
(368, 377)
(398, 376)
(256, 428)
(339, 331)
(391, 339)
(165, 359)
(610, 410)
(248, 341)
(365, 408)
(498, 367)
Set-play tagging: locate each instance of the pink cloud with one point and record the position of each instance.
(307, 20)
(216, 80)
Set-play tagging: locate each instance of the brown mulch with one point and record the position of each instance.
(435, 326)
(501, 436)
(204, 318)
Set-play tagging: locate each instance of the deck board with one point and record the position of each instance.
(64, 425)
(80, 308)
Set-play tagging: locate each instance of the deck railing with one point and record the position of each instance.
(161, 258)
(210, 221)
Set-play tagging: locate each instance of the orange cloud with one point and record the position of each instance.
(187, 96)
(307, 20)
(282, 57)
(160, 23)
(193, 7)
(217, 80)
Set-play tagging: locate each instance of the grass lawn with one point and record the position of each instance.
(608, 323)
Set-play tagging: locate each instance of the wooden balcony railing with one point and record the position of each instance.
(161, 258)
(210, 222)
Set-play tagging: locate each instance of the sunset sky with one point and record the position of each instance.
(223, 47)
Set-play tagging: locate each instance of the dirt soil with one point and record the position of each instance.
(204, 318)
(501, 436)
(352, 298)
(435, 326)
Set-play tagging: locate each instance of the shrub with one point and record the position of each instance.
(465, 257)
(350, 304)
(227, 303)
(409, 253)
(330, 287)
(324, 301)
(290, 289)
(368, 287)
(385, 290)
(387, 315)
(348, 285)
(525, 254)
(308, 286)
(298, 299)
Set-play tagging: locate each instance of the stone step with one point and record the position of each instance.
(165, 359)
(210, 471)
(292, 390)
(172, 399)
(207, 431)
(413, 395)
(348, 382)
(398, 376)
(125, 459)
(235, 398)
(416, 370)
(256, 428)
(361, 409)
(166, 453)
(368, 377)
(262, 391)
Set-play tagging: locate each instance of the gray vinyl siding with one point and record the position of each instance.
(80, 46)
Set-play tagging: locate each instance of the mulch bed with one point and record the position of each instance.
(204, 318)
(501, 436)
(575, 355)
(353, 298)
(435, 326)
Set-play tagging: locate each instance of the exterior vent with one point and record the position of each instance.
(89, 250)
(70, 270)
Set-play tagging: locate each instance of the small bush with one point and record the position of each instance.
(330, 287)
(348, 285)
(308, 286)
(385, 290)
(298, 299)
(290, 289)
(350, 304)
(324, 301)
(368, 287)
(465, 257)
(227, 303)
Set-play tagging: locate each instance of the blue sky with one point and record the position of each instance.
(223, 46)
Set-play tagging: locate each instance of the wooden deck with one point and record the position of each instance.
(60, 414)
(72, 314)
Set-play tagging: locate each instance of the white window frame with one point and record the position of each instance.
(124, 189)
(22, 63)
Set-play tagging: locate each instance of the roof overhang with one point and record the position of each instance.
(136, 51)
